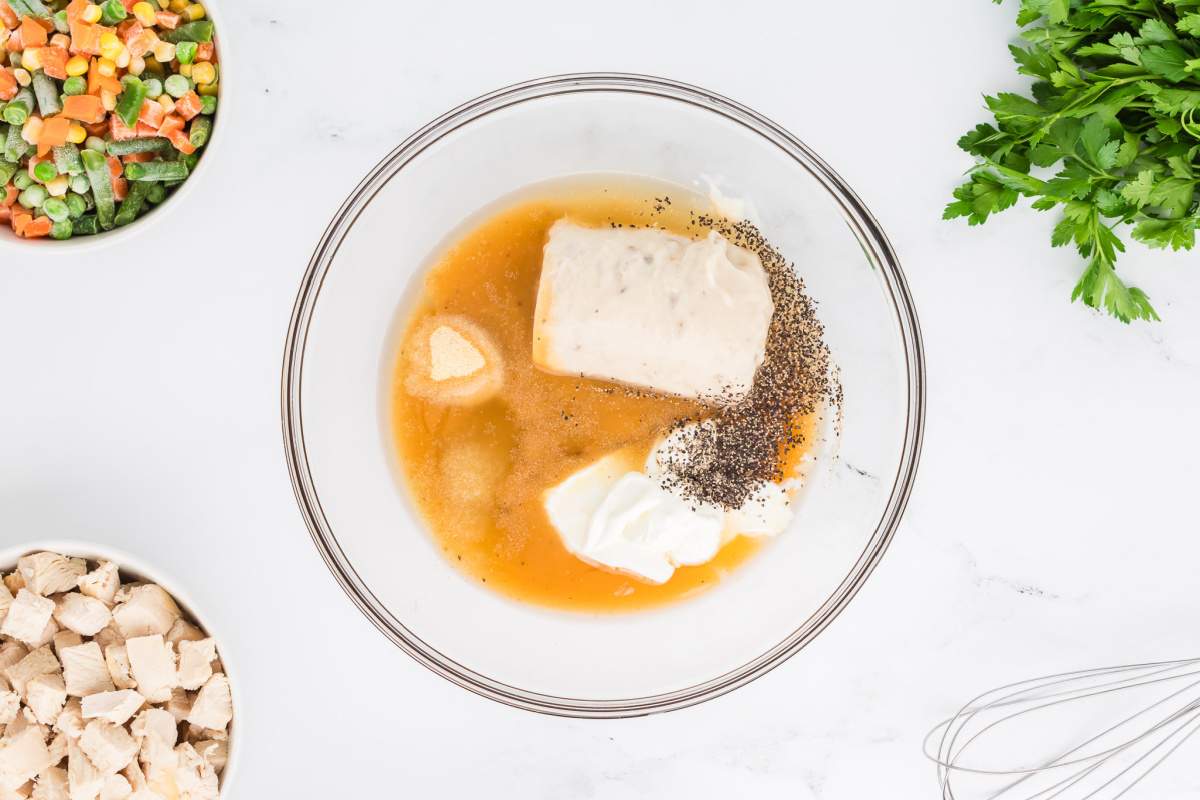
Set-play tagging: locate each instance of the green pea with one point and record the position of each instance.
(33, 197)
(185, 52)
(177, 85)
(154, 88)
(79, 184)
(56, 209)
(112, 12)
(44, 171)
(60, 22)
(76, 205)
(22, 180)
(76, 84)
(208, 104)
(62, 229)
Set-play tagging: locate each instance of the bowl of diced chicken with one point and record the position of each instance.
(111, 687)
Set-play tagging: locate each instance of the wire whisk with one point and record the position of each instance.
(1088, 735)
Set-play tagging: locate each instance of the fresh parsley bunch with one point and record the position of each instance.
(1111, 135)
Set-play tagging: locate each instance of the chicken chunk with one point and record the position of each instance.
(153, 667)
(116, 657)
(85, 670)
(195, 662)
(45, 696)
(38, 662)
(22, 756)
(108, 746)
(148, 610)
(115, 707)
(83, 778)
(213, 706)
(51, 785)
(28, 617)
(85, 615)
(101, 583)
(49, 573)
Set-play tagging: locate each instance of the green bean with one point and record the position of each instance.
(112, 12)
(86, 225)
(29, 8)
(7, 170)
(75, 84)
(157, 193)
(47, 94)
(199, 31)
(156, 171)
(200, 130)
(171, 184)
(15, 147)
(76, 205)
(96, 167)
(62, 229)
(131, 206)
(19, 108)
(129, 104)
(66, 159)
(146, 144)
(56, 209)
(60, 22)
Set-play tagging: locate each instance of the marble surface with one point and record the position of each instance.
(1052, 526)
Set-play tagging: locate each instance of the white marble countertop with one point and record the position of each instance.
(1052, 525)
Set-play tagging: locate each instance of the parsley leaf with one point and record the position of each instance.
(1113, 118)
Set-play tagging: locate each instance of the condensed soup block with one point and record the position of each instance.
(652, 309)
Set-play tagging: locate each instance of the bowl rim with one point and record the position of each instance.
(76, 245)
(858, 217)
(133, 565)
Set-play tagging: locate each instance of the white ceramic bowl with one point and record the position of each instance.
(337, 389)
(133, 568)
(79, 245)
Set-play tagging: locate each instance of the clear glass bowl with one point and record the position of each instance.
(336, 391)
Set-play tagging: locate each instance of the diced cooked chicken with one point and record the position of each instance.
(85, 615)
(133, 773)
(37, 662)
(108, 637)
(195, 662)
(215, 752)
(51, 785)
(153, 666)
(14, 582)
(180, 704)
(158, 734)
(66, 639)
(58, 747)
(70, 720)
(108, 746)
(117, 659)
(10, 706)
(116, 787)
(195, 777)
(6, 598)
(149, 610)
(49, 573)
(101, 583)
(213, 706)
(11, 653)
(115, 707)
(85, 670)
(27, 617)
(83, 778)
(22, 756)
(48, 634)
(183, 630)
(45, 696)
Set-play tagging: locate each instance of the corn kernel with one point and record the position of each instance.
(76, 134)
(208, 89)
(203, 72)
(106, 67)
(31, 58)
(4, 34)
(76, 66)
(164, 52)
(167, 102)
(23, 77)
(123, 58)
(91, 13)
(108, 99)
(185, 70)
(143, 12)
(57, 186)
(193, 12)
(178, 6)
(31, 129)
(137, 65)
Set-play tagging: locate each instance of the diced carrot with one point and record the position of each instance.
(129, 4)
(146, 130)
(152, 114)
(128, 29)
(97, 82)
(189, 105)
(205, 51)
(32, 34)
(10, 195)
(181, 142)
(5, 214)
(83, 107)
(75, 9)
(20, 220)
(170, 124)
(54, 62)
(166, 19)
(142, 43)
(85, 37)
(38, 227)
(8, 84)
(53, 134)
(115, 167)
(134, 158)
(120, 188)
(8, 16)
(119, 130)
(14, 44)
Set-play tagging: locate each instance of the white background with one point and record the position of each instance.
(1053, 525)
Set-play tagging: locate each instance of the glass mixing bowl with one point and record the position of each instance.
(337, 388)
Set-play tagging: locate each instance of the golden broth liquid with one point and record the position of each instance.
(477, 474)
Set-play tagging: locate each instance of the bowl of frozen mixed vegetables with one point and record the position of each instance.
(105, 110)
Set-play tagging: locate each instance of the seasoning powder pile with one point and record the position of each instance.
(725, 457)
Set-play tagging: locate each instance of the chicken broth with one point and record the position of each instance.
(477, 473)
